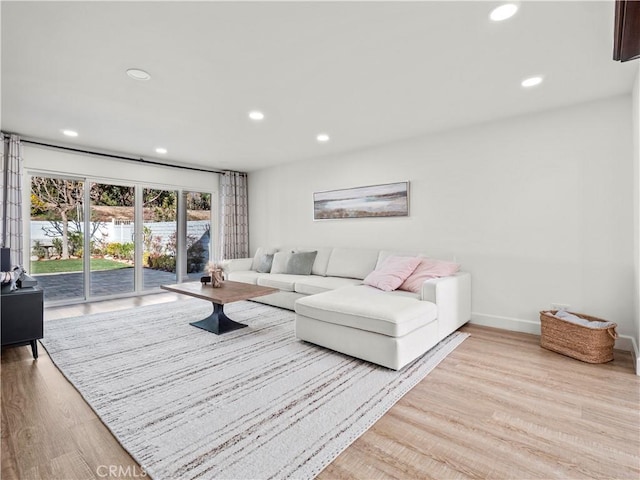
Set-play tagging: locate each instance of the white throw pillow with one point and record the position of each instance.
(280, 261)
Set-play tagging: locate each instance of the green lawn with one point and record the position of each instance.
(73, 265)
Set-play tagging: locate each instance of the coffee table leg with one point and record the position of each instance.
(218, 322)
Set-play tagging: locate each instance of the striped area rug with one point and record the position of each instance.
(253, 403)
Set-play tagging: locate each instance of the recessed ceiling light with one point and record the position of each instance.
(256, 115)
(531, 81)
(161, 150)
(138, 74)
(503, 12)
(70, 133)
(322, 138)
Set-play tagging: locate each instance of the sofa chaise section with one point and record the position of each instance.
(388, 328)
(336, 310)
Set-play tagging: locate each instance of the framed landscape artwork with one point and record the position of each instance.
(388, 200)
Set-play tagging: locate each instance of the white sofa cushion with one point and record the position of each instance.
(352, 262)
(390, 352)
(246, 276)
(317, 284)
(237, 265)
(367, 308)
(283, 281)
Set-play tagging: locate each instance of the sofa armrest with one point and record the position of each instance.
(452, 295)
(237, 265)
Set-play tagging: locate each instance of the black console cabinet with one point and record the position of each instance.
(21, 313)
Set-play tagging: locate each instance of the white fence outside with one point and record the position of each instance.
(120, 231)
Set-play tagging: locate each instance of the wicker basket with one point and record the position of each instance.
(592, 345)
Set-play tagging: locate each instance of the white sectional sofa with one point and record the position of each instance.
(336, 310)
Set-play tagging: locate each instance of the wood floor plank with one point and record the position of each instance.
(40, 433)
(474, 408)
(68, 466)
(94, 442)
(498, 407)
(9, 466)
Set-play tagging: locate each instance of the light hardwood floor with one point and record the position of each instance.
(498, 407)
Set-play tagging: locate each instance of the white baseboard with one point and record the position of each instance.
(636, 355)
(506, 323)
(624, 342)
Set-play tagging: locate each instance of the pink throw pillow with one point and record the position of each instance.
(392, 272)
(428, 268)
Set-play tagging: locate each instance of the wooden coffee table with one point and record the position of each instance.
(218, 322)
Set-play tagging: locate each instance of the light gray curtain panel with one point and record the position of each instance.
(12, 196)
(234, 216)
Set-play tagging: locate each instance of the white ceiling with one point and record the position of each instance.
(366, 73)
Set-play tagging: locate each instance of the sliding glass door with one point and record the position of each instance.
(84, 243)
(198, 244)
(160, 237)
(56, 236)
(112, 239)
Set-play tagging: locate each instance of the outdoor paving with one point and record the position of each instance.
(66, 286)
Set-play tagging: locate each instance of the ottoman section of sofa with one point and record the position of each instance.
(369, 309)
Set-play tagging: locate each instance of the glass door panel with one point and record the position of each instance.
(57, 239)
(198, 233)
(112, 239)
(159, 237)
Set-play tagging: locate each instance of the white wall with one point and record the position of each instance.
(537, 208)
(636, 214)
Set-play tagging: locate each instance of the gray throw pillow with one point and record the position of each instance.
(259, 253)
(264, 263)
(300, 263)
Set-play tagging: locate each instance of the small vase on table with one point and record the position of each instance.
(216, 274)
